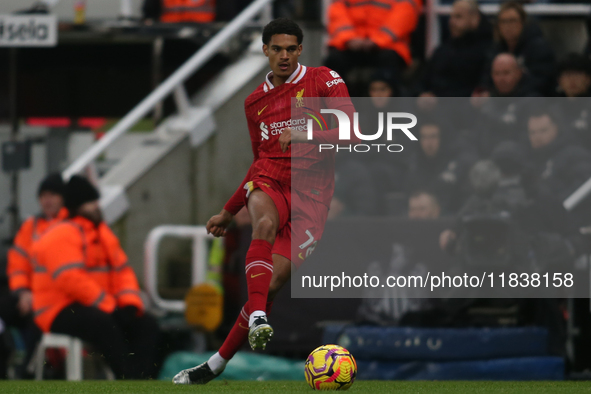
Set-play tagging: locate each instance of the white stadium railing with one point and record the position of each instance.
(172, 85)
(199, 236)
(578, 195)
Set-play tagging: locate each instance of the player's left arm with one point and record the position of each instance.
(401, 21)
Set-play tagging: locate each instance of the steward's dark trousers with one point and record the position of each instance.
(128, 345)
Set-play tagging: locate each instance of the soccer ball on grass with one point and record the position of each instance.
(330, 367)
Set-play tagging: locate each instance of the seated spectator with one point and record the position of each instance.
(508, 78)
(503, 118)
(574, 76)
(509, 156)
(371, 33)
(382, 87)
(440, 165)
(19, 267)
(179, 11)
(492, 210)
(526, 42)
(456, 66)
(84, 287)
(365, 180)
(574, 84)
(423, 205)
(20, 270)
(559, 165)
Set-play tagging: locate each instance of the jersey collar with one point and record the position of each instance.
(295, 77)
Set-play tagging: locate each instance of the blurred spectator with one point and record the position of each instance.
(19, 267)
(440, 165)
(559, 165)
(382, 87)
(574, 88)
(371, 33)
(542, 214)
(179, 11)
(423, 205)
(456, 66)
(509, 156)
(83, 286)
(485, 233)
(509, 79)
(526, 42)
(365, 180)
(574, 76)
(503, 118)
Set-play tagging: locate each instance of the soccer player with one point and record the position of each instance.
(287, 189)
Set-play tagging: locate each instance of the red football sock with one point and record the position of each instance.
(259, 270)
(269, 307)
(237, 336)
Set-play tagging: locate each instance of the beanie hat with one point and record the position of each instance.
(388, 77)
(575, 62)
(79, 191)
(52, 183)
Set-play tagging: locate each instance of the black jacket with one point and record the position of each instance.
(445, 174)
(503, 119)
(576, 116)
(456, 65)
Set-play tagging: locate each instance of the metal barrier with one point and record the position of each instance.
(173, 84)
(199, 261)
(577, 196)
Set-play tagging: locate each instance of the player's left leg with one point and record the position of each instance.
(216, 364)
(265, 218)
(282, 268)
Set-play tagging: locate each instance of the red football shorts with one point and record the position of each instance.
(301, 219)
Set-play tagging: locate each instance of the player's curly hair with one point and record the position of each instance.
(282, 26)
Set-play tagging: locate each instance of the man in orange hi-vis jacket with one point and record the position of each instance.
(84, 287)
(19, 269)
(375, 33)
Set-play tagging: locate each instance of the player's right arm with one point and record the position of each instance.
(217, 224)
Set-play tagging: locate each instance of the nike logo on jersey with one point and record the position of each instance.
(261, 111)
(254, 276)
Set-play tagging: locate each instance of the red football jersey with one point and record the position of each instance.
(269, 111)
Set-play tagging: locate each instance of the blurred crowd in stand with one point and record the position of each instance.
(503, 139)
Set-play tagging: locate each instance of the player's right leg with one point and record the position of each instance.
(252, 322)
(212, 368)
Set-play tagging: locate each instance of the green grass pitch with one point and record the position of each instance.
(373, 387)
